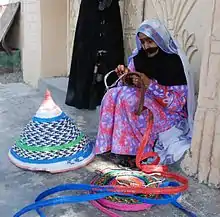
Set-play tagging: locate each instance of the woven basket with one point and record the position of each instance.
(51, 142)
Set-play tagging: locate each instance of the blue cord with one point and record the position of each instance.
(175, 203)
(103, 193)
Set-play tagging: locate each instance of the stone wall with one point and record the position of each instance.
(203, 161)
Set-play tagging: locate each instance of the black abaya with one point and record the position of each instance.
(96, 30)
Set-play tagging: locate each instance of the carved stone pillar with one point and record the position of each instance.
(203, 160)
(133, 16)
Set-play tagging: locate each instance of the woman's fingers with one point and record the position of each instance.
(121, 69)
(135, 80)
(126, 70)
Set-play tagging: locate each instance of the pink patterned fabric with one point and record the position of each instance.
(121, 131)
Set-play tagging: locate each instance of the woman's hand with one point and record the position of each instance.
(137, 80)
(121, 69)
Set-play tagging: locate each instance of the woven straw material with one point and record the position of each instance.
(51, 142)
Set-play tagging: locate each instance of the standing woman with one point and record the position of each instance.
(98, 48)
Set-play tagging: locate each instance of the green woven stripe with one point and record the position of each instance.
(52, 148)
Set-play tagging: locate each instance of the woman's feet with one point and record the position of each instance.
(127, 161)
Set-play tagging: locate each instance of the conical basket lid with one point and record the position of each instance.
(51, 139)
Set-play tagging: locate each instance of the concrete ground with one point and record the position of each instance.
(14, 77)
(18, 103)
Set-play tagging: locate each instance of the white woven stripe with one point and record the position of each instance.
(49, 134)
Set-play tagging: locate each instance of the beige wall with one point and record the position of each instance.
(203, 160)
(53, 38)
(31, 43)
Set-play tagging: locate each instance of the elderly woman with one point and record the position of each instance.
(169, 95)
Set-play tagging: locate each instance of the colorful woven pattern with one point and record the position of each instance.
(126, 178)
(51, 142)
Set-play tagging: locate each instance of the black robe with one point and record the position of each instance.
(96, 30)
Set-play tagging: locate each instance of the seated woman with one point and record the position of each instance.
(169, 96)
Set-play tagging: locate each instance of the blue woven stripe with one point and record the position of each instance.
(82, 153)
(43, 120)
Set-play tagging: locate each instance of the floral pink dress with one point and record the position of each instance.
(121, 131)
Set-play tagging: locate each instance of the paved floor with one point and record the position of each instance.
(18, 103)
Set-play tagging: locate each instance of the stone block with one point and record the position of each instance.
(205, 151)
